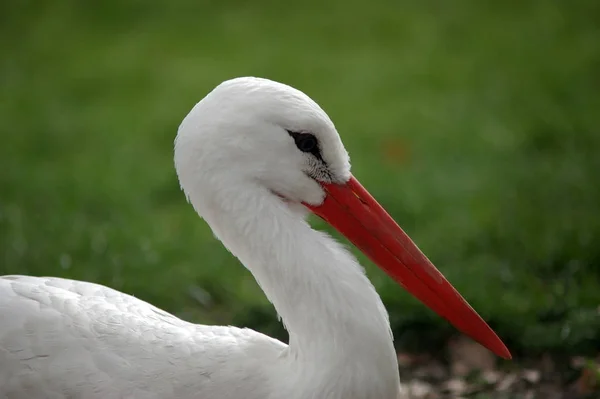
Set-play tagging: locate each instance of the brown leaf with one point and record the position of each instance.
(431, 370)
(405, 359)
(456, 386)
(578, 362)
(412, 359)
(507, 382)
(460, 369)
(531, 376)
(418, 389)
(437, 370)
(491, 376)
(587, 382)
(467, 355)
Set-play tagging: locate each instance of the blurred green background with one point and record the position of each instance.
(475, 123)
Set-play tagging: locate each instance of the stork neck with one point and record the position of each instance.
(321, 293)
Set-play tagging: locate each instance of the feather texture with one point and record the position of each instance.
(70, 339)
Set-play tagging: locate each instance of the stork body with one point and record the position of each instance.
(70, 339)
(253, 157)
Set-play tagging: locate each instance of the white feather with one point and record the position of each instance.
(70, 339)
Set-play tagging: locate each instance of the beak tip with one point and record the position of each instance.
(505, 353)
(499, 348)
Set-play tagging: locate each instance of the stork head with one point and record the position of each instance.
(259, 134)
(262, 131)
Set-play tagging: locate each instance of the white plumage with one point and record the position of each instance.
(70, 339)
(241, 166)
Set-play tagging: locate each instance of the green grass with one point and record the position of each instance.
(475, 123)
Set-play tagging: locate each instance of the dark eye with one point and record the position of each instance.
(307, 142)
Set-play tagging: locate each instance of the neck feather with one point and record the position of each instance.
(321, 293)
(340, 339)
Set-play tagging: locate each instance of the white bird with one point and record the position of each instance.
(253, 157)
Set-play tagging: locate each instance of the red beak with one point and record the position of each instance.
(358, 216)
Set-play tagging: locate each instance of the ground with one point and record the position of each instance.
(474, 123)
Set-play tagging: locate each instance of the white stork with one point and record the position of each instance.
(253, 158)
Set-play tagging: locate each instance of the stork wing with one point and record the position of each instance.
(64, 338)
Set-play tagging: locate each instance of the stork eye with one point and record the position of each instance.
(306, 142)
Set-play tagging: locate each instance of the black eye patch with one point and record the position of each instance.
(307, 142)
